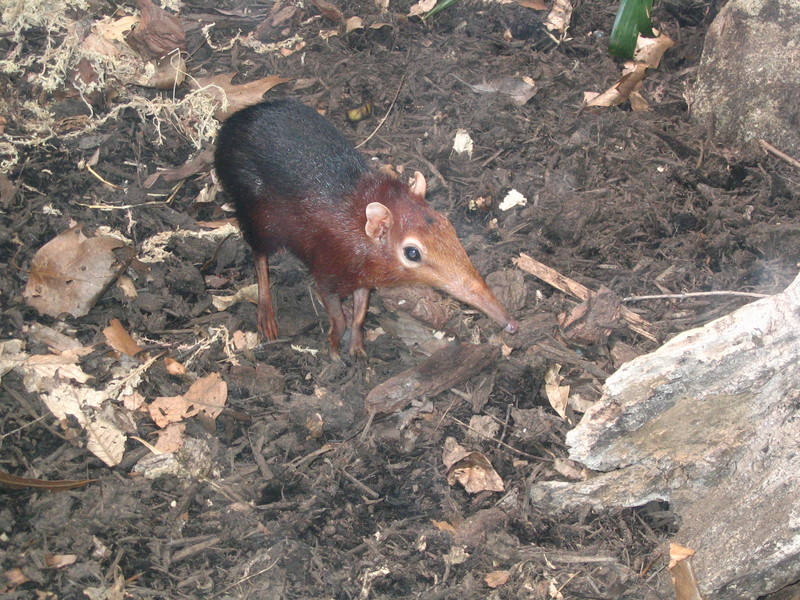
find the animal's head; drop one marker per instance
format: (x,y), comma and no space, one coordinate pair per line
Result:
(423,248)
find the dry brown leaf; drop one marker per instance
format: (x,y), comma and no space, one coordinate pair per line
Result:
(236,96)
(58,561)
(443,526)
(133,401)
(476,474)
(197,164)
(171,438)
(120,340)
(631,81)
(170,409)
(497,578)
(209,393)
(71,272)
(534,4)
(328,10)
(174,367)
(683,576)
(166,73)
(559,17)
(353,23)
(422,7)
(158,33)
(557,394)
(650,51)
(15,577)
(519,89)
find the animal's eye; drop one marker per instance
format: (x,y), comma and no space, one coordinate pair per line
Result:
(412,253)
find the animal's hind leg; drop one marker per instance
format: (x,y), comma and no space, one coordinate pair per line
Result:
(267,324)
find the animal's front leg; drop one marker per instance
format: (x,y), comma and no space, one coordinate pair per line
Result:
(333,306)
(360,306)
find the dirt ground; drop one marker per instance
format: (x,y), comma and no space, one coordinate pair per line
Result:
(639,202)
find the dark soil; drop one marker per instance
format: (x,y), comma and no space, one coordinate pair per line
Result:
(639,202)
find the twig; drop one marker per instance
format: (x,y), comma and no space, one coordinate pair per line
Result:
(693,295)
(773,150)
(570,286)
(389,110)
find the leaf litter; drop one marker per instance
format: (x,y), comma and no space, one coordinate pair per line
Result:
(272,456)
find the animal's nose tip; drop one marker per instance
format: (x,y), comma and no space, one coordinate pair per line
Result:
(512,327)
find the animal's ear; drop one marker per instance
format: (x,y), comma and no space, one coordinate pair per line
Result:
(379,221)
(418,185)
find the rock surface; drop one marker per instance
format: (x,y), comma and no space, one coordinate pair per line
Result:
(709,422)
(747,84)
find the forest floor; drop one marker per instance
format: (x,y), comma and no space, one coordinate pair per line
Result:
(278,494)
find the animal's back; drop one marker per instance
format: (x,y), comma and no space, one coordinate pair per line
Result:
(283,150)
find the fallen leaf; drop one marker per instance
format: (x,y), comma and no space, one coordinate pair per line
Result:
(199,163)
(120,340)
(171,438)
(497,578)
(443,526)
(353,23)
(235,97)
(519,89)
(476,474)
(209,393)
(158,33)
(683,576)
(559,17)
(71,272)
(59,561)
(422,7)
(171,409)
(328,10)
(15,577)
(174,367)
(557,395)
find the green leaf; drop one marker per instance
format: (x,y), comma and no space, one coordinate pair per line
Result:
(633,18)
(440,6)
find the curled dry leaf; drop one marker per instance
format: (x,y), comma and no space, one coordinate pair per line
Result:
(647,55)
(497,578)
(235,97)
(353,23)
(15,577)
(120,340)
(422,7)
(197,164)
(476,474)
(471,469)
(328,10)
(159,33)
(519,89)
(683,576)
(71,272)
(557,394)
(174,367)
(171,438)
(207,394)
(59,561)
